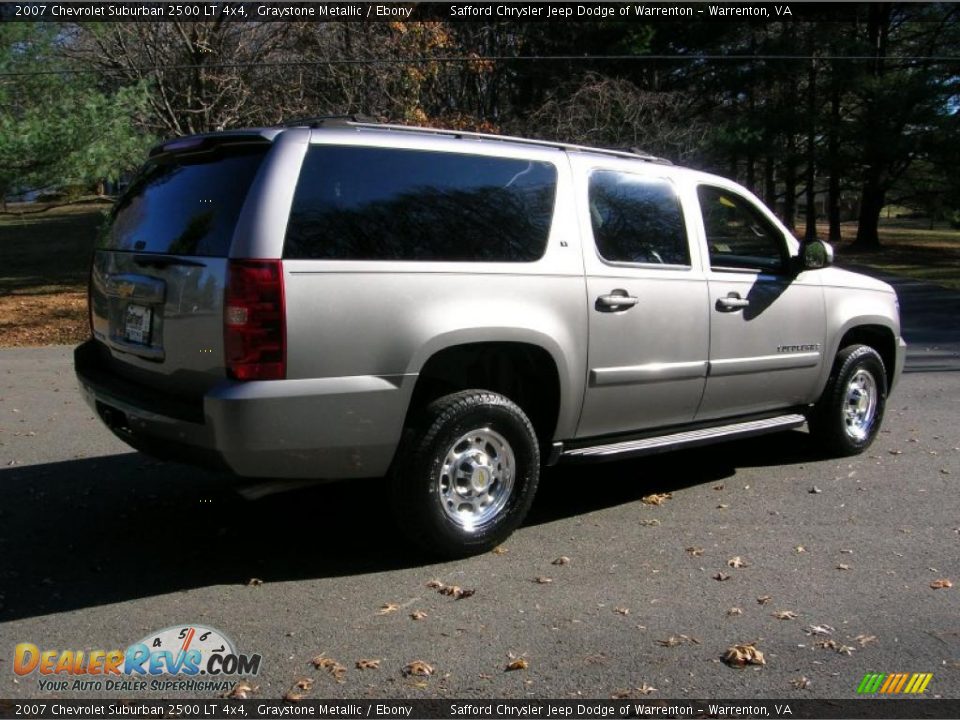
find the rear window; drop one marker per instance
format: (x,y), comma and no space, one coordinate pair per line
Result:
(359,203)
(184,204)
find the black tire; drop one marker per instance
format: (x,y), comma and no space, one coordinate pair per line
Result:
(839,422)
(439,502)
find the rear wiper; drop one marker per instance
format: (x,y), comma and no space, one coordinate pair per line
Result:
(165,261)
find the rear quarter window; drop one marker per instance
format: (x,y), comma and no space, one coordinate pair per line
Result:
(184,204)
(361,203)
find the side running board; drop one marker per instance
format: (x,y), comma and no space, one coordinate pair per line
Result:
(689,438)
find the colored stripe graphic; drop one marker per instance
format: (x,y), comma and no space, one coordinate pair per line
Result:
(894,683)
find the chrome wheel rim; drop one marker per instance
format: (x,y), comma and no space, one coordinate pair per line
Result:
(476,478)
(860,405)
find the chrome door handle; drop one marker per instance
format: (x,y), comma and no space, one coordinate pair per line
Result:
(731,303)
(617,300)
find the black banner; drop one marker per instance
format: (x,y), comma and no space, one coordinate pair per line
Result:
(477,709)
(425,11)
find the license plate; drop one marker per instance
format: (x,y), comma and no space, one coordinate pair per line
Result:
(136,327)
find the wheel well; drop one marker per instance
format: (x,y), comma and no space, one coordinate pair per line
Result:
(878,337)
(526,374)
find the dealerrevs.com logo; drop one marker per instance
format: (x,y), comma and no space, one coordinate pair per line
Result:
(182,657)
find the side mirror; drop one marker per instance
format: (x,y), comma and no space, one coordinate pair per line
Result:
(816,254)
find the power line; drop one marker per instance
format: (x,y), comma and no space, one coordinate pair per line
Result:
(488,58)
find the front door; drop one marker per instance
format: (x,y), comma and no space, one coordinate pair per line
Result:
(767,322)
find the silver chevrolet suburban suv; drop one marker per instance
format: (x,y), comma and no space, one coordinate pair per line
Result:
(337,299)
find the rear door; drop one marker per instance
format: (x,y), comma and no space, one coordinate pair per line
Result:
(767,321)
(647,301)
(161,261)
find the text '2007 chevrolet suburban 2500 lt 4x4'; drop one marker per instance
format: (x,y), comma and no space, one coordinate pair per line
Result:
(453,310)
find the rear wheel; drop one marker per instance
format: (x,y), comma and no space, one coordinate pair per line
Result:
(466,474)
(847,417)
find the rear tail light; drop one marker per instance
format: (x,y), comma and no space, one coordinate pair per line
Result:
(254,332)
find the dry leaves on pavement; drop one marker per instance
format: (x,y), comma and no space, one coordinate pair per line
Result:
(562,560)
(743,655)
(656,498)
(336,670)
(941,584)
(418,615)
(388,608)
(785,615)
(519,663)
(737,562)
(364,664)
(418,668)
(241,691)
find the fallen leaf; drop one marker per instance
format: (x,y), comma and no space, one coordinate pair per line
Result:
(293,696)
(518,664)
(843,566)
(322,662)
(865,639)
(562,560)
(254,582)
(735,611)
(941,584)
(542,580)
(722,506)
(670,642)
(456,592)
(895,452)
(303,684)
(388,608)
(718,487)
(737,562)
(832,644)
(785,615)
(241,691)
(695,551)
(500,550)
(646,689)
(764,599)
(368,664)
(622,610)
(656,498)
(799,549)
(721,577)
(435,585)
(652,522)
(819,630)
(800,683)
(418,615)
(417,667)
(743,655)
(814,490)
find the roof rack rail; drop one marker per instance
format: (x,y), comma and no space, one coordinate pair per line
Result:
(354,121)
(329,120)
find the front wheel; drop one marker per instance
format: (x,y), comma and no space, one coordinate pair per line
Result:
(847,417)
(466,474)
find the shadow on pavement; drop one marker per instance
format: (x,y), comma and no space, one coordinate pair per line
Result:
(95,531)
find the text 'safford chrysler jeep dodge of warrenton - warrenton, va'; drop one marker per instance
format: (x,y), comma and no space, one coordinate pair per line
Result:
(451,311)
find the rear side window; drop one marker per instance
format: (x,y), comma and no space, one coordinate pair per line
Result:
(184,204)
(637,219)
(361,203)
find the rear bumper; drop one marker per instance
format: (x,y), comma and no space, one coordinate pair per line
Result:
(330,428)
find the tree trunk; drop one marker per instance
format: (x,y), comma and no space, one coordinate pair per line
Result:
(833,161)
(871,204)
(790,185)
(810,233)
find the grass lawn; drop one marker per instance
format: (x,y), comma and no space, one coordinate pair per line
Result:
(44,259)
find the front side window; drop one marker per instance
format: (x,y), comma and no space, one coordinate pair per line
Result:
(739,236)
(365,203)
(637,219)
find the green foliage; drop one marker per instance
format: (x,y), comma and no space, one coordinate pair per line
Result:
(58,128)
